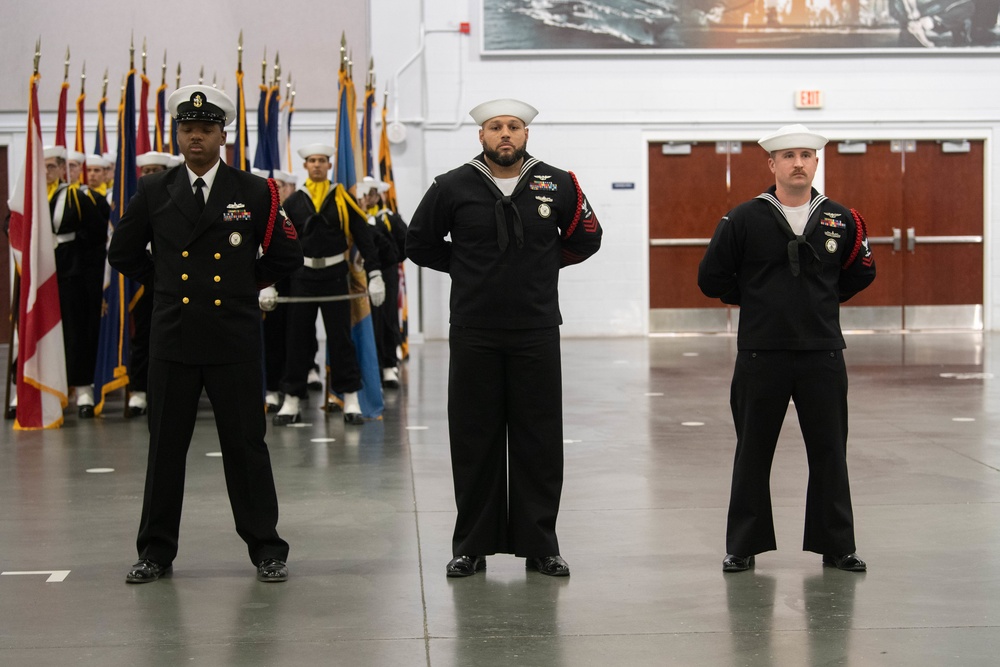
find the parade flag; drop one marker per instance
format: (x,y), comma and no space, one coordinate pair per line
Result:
(79,142)
(120,293)
(285,134)
(142,142)
(174,148)
(61,116)
(385,165)
(241,147)
(344,171)
(159,132)
(363,336)
(101,138)
(368,161)
(352,118)
(41,368)
(273,129)
(262,153)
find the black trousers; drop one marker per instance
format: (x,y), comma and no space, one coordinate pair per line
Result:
(80,298)
(763,383)
(234,391)
(345,374)
(275,346)
(505,424)
(385,319)
(142,321)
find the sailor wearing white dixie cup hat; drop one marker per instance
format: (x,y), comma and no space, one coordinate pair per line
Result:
(218,236)
(788,258)
(154,161)
(792,136)
(514,222)
(80,223)
(329,221)
(390,238)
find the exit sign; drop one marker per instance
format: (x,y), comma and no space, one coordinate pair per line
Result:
(808,99)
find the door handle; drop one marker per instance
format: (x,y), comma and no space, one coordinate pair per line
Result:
(911,238)
(897,239)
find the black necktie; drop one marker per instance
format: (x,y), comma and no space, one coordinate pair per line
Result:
(199,193)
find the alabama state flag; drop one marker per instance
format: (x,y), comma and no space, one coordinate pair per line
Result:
(41,369)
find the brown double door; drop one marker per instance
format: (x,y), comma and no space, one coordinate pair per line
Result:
(923,205)
(691,186)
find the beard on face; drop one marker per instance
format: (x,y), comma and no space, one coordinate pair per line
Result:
(505,160)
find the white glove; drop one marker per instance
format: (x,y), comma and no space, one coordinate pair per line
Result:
(268,299)
(376,288)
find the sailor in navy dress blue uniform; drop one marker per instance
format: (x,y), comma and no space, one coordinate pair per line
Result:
(205,274)
(789,258)
(514,222)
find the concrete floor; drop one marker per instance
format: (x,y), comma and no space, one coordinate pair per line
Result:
(368,512)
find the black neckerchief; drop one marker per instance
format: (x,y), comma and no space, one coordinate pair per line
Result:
(479,163)
(798,241)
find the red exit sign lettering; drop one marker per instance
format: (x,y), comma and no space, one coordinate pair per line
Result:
(808,99)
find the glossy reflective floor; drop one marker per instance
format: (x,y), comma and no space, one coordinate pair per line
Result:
(369,510)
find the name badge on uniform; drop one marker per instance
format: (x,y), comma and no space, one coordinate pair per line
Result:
(236,212)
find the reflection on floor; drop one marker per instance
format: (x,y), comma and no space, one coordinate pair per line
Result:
(368,512)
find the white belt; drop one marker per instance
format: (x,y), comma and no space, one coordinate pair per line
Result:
(65,238)
(322,262)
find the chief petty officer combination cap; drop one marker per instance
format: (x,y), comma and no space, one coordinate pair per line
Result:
(504,107)
(201,103)
(792,136)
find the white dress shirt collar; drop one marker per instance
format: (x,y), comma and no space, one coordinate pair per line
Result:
(208,177)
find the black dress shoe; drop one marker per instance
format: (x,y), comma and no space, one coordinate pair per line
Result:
(285,420)
(86,411)
(134,411)
(145,571)
(553,566)
(272,569)
(353,418)
(733,563)
(849,562)
(465,566)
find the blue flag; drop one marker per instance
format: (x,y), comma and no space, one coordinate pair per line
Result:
(345,172)
(120,293)
(262,155)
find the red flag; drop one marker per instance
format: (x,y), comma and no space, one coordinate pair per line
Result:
(41,369)
(61,116)
(61,124)
(142,143)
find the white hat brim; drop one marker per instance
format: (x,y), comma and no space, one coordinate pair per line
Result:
(504,107)
(792,136)
(316,149)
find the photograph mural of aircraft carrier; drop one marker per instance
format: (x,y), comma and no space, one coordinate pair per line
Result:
(513,26)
